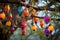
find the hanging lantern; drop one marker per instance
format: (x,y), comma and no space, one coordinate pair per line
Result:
(33,12)
(41,23)
(10,16)
(23,32)
(7,8)
(46,32)
(2,15)
(33,27)
(25,12)
(36,19)
(46,19)
(8,23)
(20,9)
(51,28)
(12,29)
(24,25)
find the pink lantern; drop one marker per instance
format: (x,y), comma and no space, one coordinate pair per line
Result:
(12,29)
(46,19)
(23,24)
(23,32)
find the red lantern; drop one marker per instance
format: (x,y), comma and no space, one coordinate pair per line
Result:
(25,12)
(2,15)
(42,23)
(6,8)
(24,25)
(10,16)
(23,32)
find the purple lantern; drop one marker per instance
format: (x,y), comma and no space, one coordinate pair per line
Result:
(46,19)
(46,32)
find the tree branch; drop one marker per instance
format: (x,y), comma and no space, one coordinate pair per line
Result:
(28,5)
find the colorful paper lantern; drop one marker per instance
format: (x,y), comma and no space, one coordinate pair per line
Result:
(20,9)
(23,32)
(36,19)
(25,12)
(41,23)
(46,32)
(51,28)
(12,29)
(10,16)
(33,12)
(7,8)
(24,25)
(33,27)
(2,15)
(46,19)
(8,23)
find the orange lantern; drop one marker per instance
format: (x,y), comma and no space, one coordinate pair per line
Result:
(41,23)
(33,27)
(25,12)
(8,23)
(36,19)
(51,28)
(2,15)
(7,8)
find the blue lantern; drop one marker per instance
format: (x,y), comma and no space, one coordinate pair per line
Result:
(20,9)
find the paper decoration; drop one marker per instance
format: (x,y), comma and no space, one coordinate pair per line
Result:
(2,15)
(8,23)
(46,19)
(33,27)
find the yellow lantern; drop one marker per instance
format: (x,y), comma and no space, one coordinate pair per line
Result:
(7,8)
(2,15)
(33,27)
(8,23)
(51,28)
